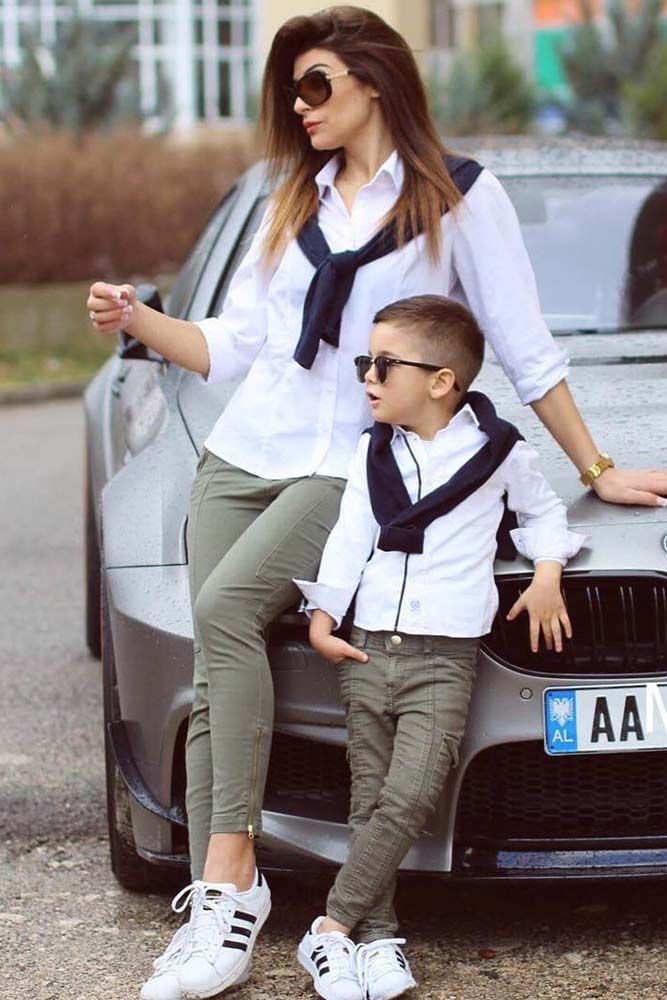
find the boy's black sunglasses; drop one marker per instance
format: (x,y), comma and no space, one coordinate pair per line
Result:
(363,363)
(313,87)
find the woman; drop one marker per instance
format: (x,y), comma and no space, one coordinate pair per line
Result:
(268,485)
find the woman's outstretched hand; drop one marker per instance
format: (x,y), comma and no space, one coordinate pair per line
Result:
(647,487)
(111,307)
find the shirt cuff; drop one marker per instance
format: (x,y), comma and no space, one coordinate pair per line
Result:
(334,600)
(537,545)
(534,386)
(210,328)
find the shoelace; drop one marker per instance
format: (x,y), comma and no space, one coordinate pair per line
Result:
(205,908)
(340,952)
(173,952)
(376,958)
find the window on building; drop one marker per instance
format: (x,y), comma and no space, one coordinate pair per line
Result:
(443,24)
(200,51)
(489,21)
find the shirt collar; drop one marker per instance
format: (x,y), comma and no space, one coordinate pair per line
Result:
(392,168)
(464,415)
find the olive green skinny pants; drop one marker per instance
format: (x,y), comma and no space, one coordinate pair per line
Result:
(247,537)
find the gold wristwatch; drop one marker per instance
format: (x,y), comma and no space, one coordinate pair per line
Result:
(602,462)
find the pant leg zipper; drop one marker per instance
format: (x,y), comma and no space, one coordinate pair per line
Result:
(253,783)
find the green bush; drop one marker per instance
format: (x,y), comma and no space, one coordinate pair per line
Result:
(113,206)
(487,91)
(645,101)
(600,59)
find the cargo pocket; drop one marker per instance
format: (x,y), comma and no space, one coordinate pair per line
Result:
(447,757)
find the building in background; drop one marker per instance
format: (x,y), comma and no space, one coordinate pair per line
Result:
(195,58)
(203,59)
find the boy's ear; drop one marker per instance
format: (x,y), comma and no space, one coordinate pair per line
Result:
(443,383)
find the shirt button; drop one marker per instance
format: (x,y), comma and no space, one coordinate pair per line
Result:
(415,605)
(396,640)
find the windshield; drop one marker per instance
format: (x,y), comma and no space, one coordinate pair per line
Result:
(599,249)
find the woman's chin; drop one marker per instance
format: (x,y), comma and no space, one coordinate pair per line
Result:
(320,142)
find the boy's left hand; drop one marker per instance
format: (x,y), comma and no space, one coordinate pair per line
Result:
(545,606)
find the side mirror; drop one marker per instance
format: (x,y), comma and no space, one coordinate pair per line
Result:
(130,347)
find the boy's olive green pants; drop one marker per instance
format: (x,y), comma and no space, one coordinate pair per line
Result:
(247,537)
(406,712)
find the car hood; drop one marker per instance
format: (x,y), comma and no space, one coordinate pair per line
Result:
(619,381)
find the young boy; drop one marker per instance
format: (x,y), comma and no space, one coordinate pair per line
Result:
(416,540)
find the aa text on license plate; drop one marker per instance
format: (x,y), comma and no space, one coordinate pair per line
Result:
(610,718)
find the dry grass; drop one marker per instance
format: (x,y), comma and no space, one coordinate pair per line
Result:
(113,206)
(46,335)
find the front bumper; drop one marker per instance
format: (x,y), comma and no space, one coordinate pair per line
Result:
(304,822)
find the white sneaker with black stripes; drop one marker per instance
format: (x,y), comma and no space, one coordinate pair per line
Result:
(384,971)
(331,960)
(163,983)
(223,929)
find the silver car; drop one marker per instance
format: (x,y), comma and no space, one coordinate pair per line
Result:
(563,769)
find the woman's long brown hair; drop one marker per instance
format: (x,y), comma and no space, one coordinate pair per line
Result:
(379,56)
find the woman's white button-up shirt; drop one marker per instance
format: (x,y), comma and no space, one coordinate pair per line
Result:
(449,588)
(284,420)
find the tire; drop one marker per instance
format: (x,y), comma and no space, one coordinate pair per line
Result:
(91,571)
(131,871)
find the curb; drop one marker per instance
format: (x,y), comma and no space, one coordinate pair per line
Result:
(42,392)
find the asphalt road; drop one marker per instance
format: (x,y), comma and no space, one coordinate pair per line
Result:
(67,930)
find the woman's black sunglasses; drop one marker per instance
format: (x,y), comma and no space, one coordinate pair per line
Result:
(313,87)
(363,363)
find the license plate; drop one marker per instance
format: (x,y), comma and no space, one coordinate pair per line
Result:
(609,718)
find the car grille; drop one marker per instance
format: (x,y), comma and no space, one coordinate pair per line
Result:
(619,627)
(517,792)
(307,779)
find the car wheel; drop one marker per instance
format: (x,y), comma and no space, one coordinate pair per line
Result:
(132,871)
(92,571)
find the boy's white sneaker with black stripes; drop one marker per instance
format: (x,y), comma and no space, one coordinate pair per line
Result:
(384,971)
(223,928)
(331,960)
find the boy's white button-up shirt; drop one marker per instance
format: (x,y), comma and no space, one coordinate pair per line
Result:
(283,420)
(449,588)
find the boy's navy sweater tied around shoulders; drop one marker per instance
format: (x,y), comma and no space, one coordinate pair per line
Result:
(334,276)
(402,522)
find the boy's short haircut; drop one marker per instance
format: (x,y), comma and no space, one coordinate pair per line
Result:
(447,332)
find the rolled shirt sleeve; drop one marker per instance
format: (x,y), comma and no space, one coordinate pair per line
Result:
(493,267)
(348,547)
(543,531)
(235,337)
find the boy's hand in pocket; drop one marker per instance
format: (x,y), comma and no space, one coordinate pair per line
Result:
(330,646)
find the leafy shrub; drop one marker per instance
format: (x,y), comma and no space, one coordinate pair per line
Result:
(646,100)
(600,59)
(111,206)
(487,91)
